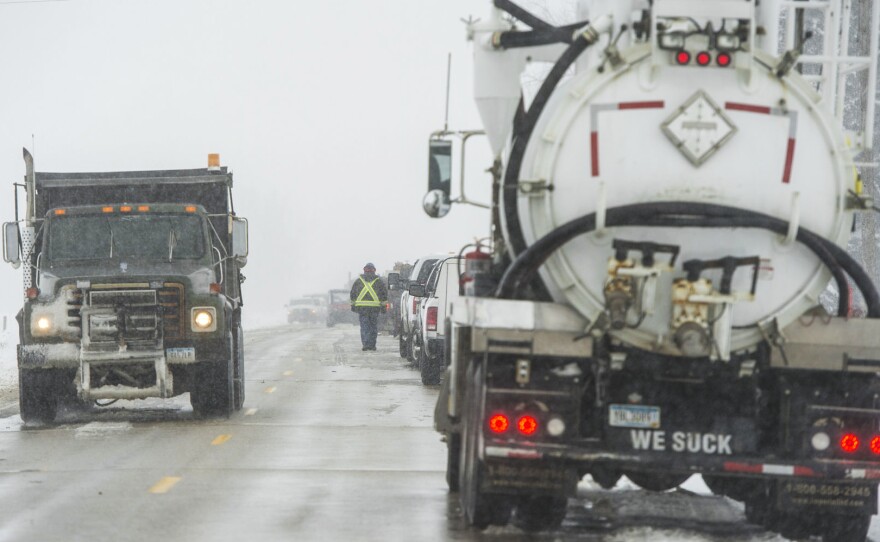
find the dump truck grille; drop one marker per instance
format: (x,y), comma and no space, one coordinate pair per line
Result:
(171,301)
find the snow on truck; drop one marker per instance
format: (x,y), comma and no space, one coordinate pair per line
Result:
(669,207)
(132,284)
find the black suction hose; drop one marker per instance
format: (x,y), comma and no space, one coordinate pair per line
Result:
(523,15)
(521,140)
(685,214)
(536,38)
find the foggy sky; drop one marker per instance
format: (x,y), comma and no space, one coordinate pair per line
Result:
(322,109)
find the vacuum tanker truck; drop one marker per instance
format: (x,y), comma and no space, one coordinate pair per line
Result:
(672,207)
(132,288)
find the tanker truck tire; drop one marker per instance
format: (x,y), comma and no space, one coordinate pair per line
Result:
(843,528)
(480,509)
(540,513)
(653,481)
(453,457)
(213,395)
(38,395)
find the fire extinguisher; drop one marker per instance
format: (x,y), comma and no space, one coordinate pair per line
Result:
(476,264)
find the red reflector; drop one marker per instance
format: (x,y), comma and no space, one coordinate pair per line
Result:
(527,425)
(704,58)
(682,57)
(415,305)
(875,445)
(32,293)
(723,59)
(849,443)
(431,319)
(730,466)
(215,288)
(499,423)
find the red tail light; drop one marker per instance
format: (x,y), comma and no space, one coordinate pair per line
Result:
(431,319)
(723,59)
(849,443)
(415,305)
(875,445)
(527,425)
(682,57)
(499,423)
(704,58)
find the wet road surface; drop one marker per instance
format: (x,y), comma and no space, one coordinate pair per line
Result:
(332,444)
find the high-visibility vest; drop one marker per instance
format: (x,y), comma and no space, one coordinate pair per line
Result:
(367,290)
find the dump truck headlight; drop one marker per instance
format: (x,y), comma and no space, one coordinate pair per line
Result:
(43,325)
(204,319)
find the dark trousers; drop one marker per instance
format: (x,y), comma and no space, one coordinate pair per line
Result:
(369,327)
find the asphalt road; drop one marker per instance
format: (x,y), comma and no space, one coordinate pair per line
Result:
(333,444)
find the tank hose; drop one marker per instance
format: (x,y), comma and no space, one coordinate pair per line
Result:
(687,214)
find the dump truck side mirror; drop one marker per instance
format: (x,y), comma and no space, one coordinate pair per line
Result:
(239,237)
(437,201)
(10,244)
(393,281)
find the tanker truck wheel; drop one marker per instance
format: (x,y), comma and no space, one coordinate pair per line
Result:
(213,394)
(480,509)
(842,528)
(37,395)
(453,457)
(540,513)
(653,481)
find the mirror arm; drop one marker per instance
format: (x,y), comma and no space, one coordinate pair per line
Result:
(462,198)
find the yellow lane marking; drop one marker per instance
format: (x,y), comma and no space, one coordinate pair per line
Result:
(270,389)
(250,412)
(220,440)
(288,373)
(298,359)
(165,484)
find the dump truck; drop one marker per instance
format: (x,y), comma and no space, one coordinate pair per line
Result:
(131,288)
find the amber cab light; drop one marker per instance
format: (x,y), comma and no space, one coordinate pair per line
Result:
(849,443)
(215,288)
(499,423)
(143,208)
(125,208)
(59,212)
(527,425)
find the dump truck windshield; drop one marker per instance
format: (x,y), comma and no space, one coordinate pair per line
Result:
(135,237)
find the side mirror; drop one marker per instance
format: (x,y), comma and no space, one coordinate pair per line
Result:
(239,237)
(10,244)
(417,290)
(393,281)
(437,200)
(436,204)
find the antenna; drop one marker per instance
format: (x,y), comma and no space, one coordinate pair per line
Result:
(33,144)
(448,77)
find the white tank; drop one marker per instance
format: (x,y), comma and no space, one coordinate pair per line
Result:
(654,131)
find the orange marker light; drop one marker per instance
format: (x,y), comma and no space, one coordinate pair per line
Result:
(143,208)
(190,208)
(125,208)
(107,209)
(60,212)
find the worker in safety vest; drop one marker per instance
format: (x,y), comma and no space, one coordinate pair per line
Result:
(368,297)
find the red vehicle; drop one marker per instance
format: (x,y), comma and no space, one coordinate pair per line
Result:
(339,308)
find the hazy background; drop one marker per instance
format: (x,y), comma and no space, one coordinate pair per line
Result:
(322,109)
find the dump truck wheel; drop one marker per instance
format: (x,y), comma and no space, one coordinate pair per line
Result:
(540,513)
(38,395)
(214,394)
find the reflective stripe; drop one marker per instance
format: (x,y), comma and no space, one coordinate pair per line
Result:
(367,289)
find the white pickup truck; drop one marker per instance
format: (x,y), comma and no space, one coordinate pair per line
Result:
(409,305)
(441,289)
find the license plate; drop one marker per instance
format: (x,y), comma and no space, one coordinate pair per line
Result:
(180,354)
(639,416)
